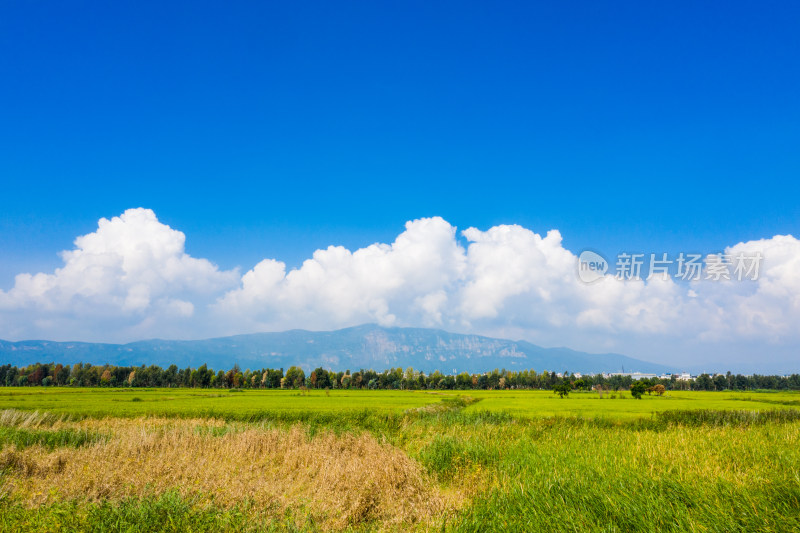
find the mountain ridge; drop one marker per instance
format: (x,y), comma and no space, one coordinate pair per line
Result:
(363,346)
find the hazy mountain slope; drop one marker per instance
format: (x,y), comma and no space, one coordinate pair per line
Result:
(367,346)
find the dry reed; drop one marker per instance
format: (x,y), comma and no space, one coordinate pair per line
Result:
(335,481)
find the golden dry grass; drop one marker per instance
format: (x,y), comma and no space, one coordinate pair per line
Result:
(333,480)
(28,419)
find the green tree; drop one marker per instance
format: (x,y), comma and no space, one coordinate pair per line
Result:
(637,389)
(563,388)
(703,382)
(295,377)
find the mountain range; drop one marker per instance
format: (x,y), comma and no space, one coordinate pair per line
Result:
(368,346)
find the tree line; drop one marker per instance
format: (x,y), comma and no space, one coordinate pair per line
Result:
(87,375)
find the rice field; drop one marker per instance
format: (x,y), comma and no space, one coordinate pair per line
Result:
(621,406)
(208,403)
(196,460)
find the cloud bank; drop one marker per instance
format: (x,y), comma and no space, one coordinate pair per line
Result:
(132,279)
(129,278)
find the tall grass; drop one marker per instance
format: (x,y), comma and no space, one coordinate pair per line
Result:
(335,481)
(22,429)
(168,512)
(67,437)
(676,470)
(28,419)
(564,474)
(710,417)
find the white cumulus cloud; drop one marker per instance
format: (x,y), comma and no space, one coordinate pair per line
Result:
(132,278)
(133,269)
(383,283)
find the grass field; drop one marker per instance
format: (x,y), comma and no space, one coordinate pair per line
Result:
(199,460)
(621,405)
(247,405)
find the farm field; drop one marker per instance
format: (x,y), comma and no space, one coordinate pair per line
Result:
(620,405)
(211,403)
(210,460)
(276,404)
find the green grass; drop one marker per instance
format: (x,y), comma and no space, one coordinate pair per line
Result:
(249,405)
(22,438)
(688,461)
(554,475)
(316,405)
(167,513)
(620,405)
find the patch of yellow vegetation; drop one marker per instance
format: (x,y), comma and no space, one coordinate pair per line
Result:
(335,480)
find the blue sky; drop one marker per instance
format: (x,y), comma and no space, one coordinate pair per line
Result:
(276,128)
(270,130)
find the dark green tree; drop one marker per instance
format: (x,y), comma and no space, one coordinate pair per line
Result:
(637,389)
(295,377)
(563,388)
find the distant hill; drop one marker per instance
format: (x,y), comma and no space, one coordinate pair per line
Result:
(367,346)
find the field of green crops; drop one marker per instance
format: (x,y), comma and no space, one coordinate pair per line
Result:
(200,403)
(251,405)
(489,460)
(620,405)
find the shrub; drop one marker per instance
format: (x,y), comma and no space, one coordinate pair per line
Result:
(637,390)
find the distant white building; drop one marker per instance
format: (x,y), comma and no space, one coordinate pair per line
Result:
(633,375)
